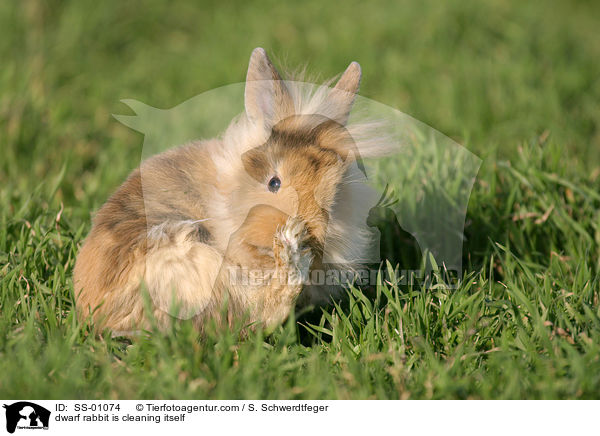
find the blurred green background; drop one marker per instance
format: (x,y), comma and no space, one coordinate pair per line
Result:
(514,82)
(488,74)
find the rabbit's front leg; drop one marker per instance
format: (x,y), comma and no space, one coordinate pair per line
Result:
(293,258)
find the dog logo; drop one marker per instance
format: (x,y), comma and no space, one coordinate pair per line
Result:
(26,415)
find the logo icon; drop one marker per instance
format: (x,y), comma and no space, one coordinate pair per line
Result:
(26,415)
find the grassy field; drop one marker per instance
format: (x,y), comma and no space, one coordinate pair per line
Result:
(514,82)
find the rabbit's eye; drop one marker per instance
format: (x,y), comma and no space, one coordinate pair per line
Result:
(274,184)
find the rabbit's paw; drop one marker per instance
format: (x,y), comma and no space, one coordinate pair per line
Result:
(292,254)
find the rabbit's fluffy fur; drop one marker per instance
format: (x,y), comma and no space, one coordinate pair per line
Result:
(181,221)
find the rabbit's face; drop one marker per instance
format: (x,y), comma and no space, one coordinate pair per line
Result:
(297,172)
(298,169)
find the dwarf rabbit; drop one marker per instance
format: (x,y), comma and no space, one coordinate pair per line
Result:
(269,195)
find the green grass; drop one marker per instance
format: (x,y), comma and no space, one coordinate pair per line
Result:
(517,84)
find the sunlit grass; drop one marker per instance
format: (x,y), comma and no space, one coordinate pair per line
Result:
(517,85)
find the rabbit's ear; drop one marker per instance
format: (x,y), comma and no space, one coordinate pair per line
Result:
(267,99)
(341,97)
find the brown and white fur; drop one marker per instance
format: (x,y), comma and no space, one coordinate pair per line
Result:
(185,217)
